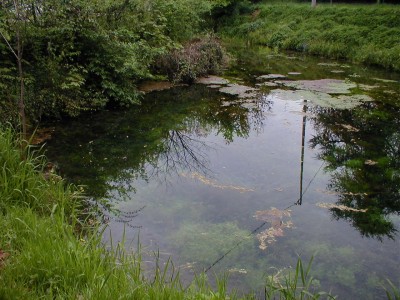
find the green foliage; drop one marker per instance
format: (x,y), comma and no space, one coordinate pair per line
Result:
(299,285)
(22,185)
(336,31)
(393,292)
(84,55)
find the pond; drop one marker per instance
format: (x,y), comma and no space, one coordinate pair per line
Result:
(286,157)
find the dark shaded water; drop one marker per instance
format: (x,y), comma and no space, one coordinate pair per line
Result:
(204,174)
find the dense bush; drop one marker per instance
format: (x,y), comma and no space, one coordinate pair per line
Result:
(80,55)
(196,58)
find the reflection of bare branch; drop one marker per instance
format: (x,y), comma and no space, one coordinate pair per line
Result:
(257,114)
(180,152)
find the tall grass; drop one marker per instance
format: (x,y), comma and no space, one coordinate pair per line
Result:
(23,181)
(294,286)
(365,34)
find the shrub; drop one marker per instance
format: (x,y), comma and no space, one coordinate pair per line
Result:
(197,58)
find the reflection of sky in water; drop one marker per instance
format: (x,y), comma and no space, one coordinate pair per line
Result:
(267,161)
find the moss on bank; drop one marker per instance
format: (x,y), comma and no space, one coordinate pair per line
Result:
(364,34)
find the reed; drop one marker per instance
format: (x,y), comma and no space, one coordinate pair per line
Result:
(297,285)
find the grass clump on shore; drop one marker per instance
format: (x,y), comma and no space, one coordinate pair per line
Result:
(364,34)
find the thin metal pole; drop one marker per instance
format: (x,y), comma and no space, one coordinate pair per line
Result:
(303,139)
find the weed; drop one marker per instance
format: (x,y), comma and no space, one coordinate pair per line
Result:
(296,287)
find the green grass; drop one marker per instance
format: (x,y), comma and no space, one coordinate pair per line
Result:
(296,285)
(360,33)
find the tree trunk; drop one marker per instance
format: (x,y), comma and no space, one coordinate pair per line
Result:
(21,100)
(313,3)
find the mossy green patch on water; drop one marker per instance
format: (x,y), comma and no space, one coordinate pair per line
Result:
(328,86)
(212,80)
(320,99)
(241,91)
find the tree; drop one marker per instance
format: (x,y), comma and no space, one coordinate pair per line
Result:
(16,22)
(73,56)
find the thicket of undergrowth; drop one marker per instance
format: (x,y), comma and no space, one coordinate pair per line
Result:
(196,58)
(82,55)
(365,34)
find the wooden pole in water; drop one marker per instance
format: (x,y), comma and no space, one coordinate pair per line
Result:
(303,140)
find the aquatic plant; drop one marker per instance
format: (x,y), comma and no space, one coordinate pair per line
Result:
(327,86)
(320,99)
(215,184)
(204,243)
(274,217)
(43,255)
(299,285)
(340,207)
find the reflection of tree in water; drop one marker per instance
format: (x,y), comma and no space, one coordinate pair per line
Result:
(362,148)
(179,151)
(165,135)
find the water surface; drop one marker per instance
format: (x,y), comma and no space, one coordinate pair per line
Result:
(246,186)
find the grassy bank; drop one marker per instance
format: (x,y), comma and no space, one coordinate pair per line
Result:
(364,34)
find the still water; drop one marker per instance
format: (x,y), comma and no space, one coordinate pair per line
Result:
(288,157)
